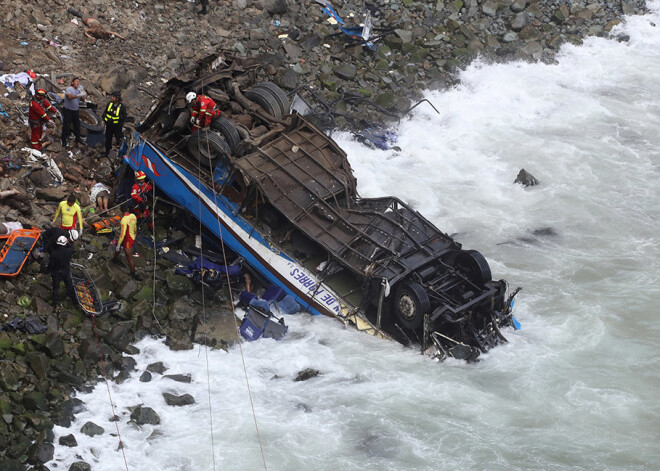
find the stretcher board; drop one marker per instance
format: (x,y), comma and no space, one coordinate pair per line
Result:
(88,295)
(17,250)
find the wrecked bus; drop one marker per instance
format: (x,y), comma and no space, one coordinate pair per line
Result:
(281,194)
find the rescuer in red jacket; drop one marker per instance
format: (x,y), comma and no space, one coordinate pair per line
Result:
(204,110)
(38,115)
(140,196)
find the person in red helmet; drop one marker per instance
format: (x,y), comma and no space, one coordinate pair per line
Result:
(38,116)
(140,195)
(204,111)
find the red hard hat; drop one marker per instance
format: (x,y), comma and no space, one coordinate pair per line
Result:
(40,91)
(140,175)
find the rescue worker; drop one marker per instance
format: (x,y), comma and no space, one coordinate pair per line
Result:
(38,116)
(114,117)
(50,237)
(140,195)
(204,111)
(126,240)
(60,264)
(71,215)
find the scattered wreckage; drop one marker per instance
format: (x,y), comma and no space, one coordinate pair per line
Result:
(281,194)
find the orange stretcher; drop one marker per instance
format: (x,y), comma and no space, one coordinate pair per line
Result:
(105,226)
(86,292)
(16,250)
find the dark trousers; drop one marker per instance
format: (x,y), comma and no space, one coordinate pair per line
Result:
(70,118)
(65,276)
(110,131)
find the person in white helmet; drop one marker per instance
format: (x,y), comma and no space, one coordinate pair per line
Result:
(50,237)
(204,111)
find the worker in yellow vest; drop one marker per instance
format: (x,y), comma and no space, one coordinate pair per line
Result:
(71,215)
(114,117)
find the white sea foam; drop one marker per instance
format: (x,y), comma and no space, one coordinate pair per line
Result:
(575,389)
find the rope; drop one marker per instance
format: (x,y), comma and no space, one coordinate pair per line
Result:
(206,348)
(112,406)
(231,299)
(153,240)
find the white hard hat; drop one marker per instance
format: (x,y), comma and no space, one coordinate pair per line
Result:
(73,234)
(191,96)
(61,240)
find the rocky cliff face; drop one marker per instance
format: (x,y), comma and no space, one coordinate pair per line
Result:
(421,43)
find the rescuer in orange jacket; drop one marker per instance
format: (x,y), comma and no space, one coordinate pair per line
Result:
(38,115)
(204,110)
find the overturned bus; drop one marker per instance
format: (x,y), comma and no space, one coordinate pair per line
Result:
(281,194)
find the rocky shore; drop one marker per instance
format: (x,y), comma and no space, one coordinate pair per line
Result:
(421,45)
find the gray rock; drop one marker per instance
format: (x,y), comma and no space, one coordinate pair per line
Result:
(276,7)
(51,194)
(292,50)
(525,178)
(180,378)
(519,21)
(157,367)
(510,37)
(35,400)
(91,429)
(518,6)
(259,34)
(346,71)
(311,42)
(145,377)
(287,79)
(80,466)
(120,336)
(39,363)
(306,374)
(178,285)
(11,465)
(489,7)
(183,400)
(129,289)
(405,35)
(41,452)
(145,415)
(68,440)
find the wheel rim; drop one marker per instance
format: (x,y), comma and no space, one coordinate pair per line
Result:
(407,306)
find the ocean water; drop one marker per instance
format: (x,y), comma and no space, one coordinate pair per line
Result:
(576,389)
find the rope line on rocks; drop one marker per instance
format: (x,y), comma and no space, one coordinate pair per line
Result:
(231,300)
(233,310)
(153,241)
(107,384)
(206,348)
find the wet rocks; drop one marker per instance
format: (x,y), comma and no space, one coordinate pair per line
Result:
(142,415)
(183,400)
(306,374)
(68,440)
(91,429)
(525,178)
